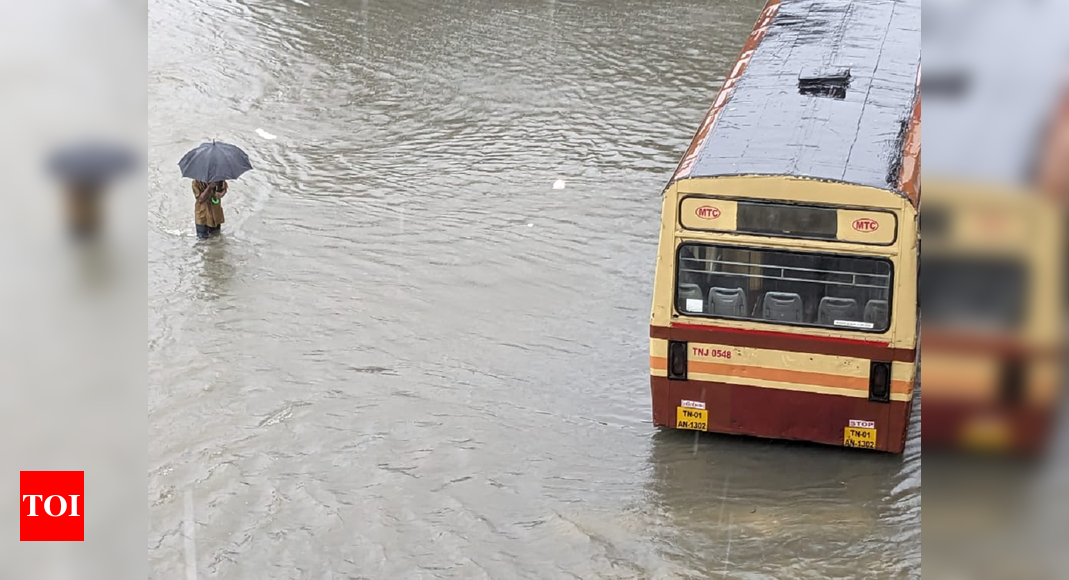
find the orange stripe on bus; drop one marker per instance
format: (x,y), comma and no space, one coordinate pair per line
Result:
(781,375)
(910,172)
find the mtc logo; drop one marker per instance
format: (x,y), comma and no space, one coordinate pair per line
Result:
(51,506)
(707,212)
(866,225)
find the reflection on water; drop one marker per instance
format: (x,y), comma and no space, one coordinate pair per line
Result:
(409,354)
(746,504)
(217,269)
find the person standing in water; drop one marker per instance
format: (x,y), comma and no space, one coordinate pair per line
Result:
(208,211)
(210,165)
(84,209)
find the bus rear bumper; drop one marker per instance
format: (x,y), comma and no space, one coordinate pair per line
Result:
(784,414)
(987,428)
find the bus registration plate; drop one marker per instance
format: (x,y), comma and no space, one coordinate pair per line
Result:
(987,434)
(860,434)
(696,419)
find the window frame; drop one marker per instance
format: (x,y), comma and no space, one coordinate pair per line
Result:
(781,236)
(681,244)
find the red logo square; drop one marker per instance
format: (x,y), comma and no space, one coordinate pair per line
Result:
(51,506)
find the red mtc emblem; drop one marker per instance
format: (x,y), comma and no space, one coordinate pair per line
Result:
(866,225)
(51,506)
(707,212)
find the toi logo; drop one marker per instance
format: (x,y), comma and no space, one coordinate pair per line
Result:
(51,506)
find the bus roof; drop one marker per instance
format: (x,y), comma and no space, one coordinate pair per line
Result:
(822,89)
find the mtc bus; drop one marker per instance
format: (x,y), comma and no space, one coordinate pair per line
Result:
(785,294)
(993,281)
(993,316)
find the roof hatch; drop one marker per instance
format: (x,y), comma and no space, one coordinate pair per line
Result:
(831,83)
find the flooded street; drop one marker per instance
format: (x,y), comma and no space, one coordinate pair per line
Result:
(409,355)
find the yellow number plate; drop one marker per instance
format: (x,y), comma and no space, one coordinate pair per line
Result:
(696,419)
(860,437)
(987,435)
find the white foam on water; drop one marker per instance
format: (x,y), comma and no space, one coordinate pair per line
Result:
(559,184)
(265,134)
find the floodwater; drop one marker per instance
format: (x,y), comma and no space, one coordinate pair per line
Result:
(409,356)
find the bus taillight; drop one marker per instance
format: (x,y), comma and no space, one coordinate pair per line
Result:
(1013,382)
(677,360)
(880,382)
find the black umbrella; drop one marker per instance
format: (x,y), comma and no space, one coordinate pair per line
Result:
(215,161)
(91,162)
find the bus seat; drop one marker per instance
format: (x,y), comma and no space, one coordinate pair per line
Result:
(782,306)
(728,302)
(876,313)
(832,309)
(687,292)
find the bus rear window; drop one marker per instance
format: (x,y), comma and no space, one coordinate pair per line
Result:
(792,288)
(974,293)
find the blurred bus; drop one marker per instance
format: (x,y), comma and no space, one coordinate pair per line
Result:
(992,289)
(784,301)
(992,316)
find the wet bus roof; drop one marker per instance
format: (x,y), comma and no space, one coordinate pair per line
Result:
(823,89)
